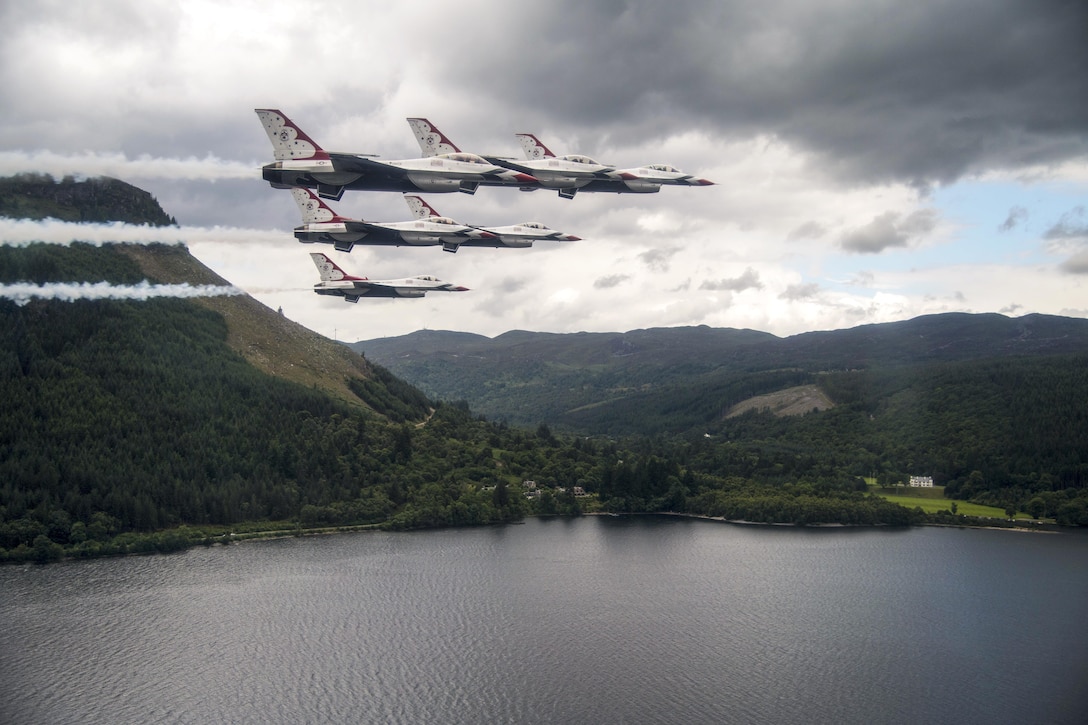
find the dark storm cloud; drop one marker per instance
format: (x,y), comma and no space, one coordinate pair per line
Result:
(889,230)
(748,280)
(921,91)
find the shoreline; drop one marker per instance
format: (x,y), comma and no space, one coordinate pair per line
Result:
(229,538)
(1037,528)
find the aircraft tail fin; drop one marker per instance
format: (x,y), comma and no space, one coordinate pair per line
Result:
(329,270)
(288,140)
(313,209)
(419,208)
(431,141)
(533,147)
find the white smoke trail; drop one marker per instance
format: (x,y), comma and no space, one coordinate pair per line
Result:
(90,163)
(23,232)
(23,292)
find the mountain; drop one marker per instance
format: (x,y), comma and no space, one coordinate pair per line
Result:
(125,417)
(677,379)
(995,409)
(102,199)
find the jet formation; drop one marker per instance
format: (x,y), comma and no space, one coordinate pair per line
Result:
(444,168)
(429,228)
(314,174)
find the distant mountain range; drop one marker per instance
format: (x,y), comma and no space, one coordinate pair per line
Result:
(594,382)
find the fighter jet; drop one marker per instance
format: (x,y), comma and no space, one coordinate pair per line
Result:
(322,224)
(639,180)
(301,162)
(515,235)
(338,283)
(564,173)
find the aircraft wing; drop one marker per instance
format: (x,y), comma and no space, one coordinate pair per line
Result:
(376,172)
(379,289)
(509,163)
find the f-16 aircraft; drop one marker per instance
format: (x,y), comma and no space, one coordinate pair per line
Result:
(322,224)
(567,174)
(301,162)
(564,173)
(337,282)
(638,180)
(515,235)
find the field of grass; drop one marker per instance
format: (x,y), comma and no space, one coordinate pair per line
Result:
(933,505)
(932,500)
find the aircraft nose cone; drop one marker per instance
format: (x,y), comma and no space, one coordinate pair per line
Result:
(485,235)
(704,182)
(571,238)
(526,178)
(460,289)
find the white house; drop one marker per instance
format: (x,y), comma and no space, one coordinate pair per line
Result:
(921,481)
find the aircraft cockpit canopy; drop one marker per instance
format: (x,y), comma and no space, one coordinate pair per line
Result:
(580,159)
(444,220)
(465,158)
(533,225)
(664,167)
(426,278)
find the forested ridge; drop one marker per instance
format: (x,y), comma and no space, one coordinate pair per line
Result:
(684,378)
(101,199)
(132,426)
(994,409)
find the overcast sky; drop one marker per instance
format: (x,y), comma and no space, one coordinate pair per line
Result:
(874,161)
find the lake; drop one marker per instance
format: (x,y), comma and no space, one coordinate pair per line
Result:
(591,620)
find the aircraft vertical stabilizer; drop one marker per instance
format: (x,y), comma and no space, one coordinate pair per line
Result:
(432,142)
(533,147)
(312,208)
(329,270)
(419,208)
(289,142)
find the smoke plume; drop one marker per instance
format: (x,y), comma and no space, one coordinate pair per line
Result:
(22,232)
(90,163)
(24,292)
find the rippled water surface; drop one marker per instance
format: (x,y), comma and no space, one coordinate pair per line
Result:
(592,620)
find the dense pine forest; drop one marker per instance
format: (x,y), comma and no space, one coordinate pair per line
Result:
(135,426)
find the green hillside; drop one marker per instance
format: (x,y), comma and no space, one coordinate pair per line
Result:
(39,196)
(994,408)
(122,419)
(671,380)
